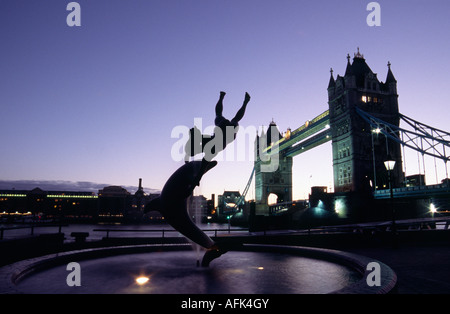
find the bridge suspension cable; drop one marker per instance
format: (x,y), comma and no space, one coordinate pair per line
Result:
(241,199)
(424,139)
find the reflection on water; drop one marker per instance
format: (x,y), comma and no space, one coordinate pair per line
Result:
(176,272)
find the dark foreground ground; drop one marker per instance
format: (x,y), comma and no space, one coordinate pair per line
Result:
(420,269)
(420,259)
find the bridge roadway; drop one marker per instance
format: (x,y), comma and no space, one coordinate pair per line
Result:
(435,190)
(311,134)
(317,131)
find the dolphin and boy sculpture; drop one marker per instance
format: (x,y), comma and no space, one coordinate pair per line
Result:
(172,203)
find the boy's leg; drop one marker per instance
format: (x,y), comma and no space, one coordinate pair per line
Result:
(219,105)
(240,114)
(194,144)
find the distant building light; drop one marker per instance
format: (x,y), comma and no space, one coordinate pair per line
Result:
(13,195)
(71,196)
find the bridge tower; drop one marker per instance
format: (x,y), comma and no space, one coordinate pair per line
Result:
(358,151)
(277,181)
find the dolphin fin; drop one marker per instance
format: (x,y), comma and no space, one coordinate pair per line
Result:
(210,165)
(205,166)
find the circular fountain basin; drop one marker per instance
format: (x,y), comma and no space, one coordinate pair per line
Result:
(254,269)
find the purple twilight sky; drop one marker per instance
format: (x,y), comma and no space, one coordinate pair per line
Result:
(99,102)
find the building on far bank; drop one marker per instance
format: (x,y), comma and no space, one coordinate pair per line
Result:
(113,203)
(227,204)
(49,204)
(415,180)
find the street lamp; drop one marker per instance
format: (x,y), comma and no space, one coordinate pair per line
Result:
(390,164)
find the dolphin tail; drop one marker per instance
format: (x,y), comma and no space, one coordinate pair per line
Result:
(218,249)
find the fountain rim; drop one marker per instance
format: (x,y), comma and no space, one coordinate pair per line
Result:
(10,275)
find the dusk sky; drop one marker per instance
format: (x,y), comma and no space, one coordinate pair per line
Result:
(99,102)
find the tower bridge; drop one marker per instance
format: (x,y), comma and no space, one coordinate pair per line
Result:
(363,125)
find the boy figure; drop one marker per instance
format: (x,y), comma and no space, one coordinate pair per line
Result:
(197,142)
(222,123)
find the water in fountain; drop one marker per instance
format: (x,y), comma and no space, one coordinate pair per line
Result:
(174,272)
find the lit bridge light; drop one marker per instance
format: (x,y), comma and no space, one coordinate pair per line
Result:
(433,208)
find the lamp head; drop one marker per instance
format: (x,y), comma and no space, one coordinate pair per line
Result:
(389,163)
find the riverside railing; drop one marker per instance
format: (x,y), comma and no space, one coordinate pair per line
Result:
(31,227)
(164,231)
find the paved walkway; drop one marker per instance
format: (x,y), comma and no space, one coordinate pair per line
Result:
(420,269)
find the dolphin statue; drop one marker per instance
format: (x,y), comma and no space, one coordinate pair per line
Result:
(172,204)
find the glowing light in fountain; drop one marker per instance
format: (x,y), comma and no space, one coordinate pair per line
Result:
(142,280)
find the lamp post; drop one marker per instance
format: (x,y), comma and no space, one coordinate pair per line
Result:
(390,164)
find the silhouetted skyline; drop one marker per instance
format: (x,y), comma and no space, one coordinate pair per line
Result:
(81,186)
